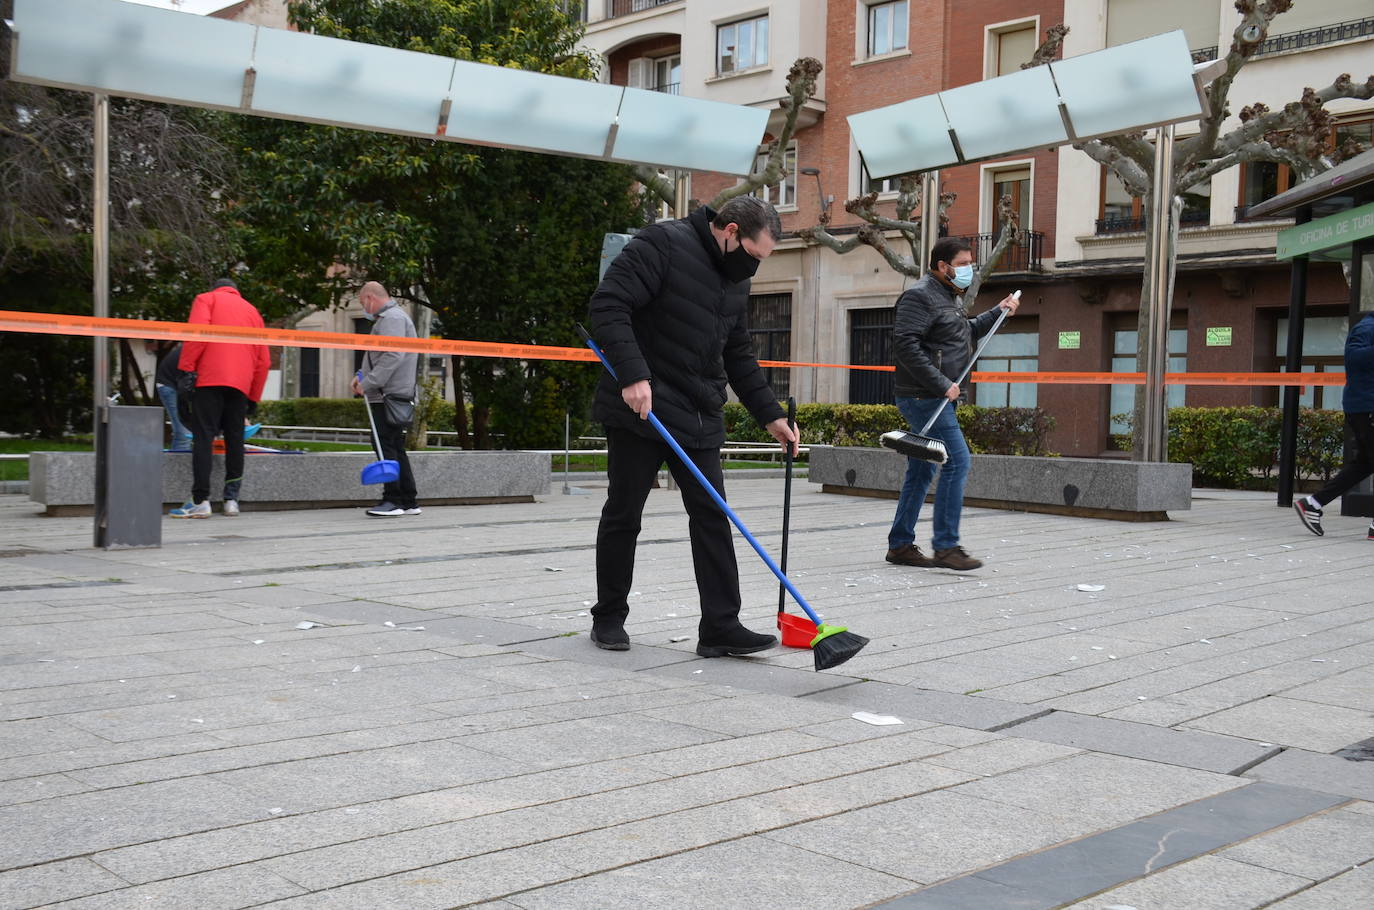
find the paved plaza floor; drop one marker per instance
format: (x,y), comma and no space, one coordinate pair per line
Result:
(1159,716)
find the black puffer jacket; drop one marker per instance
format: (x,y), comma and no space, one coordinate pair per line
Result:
(664,312)
(932,338)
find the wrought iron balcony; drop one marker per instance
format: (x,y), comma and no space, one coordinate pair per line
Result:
(669,88)
(616,8)
(1022,255)
(1316,37)
(1136,225)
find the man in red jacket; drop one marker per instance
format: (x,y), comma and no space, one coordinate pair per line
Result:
(229,381)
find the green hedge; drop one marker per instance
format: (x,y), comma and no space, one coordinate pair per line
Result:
(992,431)
(338,412)
(1239,447)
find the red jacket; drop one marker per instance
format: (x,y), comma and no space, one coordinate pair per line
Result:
(239,366)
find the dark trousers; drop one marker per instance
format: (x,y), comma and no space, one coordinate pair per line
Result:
(1361,426)
(400,491)
(217,410)
(634,462)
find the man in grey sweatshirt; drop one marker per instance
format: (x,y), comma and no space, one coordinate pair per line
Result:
(388,373)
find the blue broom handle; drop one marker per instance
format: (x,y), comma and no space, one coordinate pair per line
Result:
(710,488)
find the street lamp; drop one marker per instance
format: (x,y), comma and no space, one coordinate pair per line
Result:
(820,193)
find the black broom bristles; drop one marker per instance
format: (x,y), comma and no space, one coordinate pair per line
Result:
(834,650)
(925,448)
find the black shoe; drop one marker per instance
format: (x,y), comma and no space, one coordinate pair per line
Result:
(610,638)
(1310,513)
(733,644)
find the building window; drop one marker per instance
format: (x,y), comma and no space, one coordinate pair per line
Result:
(870,344)
(741,45)
(881,187)
(667,74)
(1323,351)
(661,210)
(1120,212)
(1014,183)
(310,373)
(1008,47)
(784,194)
(770,328)
(887,27)
(1123,361)
(1261,180)
(1009,352)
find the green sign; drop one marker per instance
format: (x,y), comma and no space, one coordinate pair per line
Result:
(1068,341)
(1219,336)
(1340,229)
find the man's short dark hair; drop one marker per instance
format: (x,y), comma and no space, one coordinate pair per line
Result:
(224,283)
(946,248)
(752,214)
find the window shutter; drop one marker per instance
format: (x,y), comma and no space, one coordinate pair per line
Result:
(641,73)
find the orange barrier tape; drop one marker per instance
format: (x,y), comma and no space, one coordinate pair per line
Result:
(57,324)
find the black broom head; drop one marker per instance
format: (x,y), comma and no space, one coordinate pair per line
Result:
(835,648)
(926,448)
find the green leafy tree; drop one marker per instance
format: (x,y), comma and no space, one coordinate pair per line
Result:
(167,173)
(501,245)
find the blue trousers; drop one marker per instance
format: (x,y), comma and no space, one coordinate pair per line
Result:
(949,492)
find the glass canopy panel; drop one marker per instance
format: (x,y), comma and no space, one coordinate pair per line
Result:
(674,131)
(1144,83)
(1017,111)
(493,105)
(905,137)
(128,49)
(308,77)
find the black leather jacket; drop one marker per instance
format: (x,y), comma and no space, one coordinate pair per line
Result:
(933,338)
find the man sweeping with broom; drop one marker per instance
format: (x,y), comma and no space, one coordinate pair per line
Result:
(933,343)
(670,316)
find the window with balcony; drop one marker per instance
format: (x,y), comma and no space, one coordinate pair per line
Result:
(1261,180)
(1121,213)
(657,74)
(1009,46)
(784,195)
(741,45)
(881,186)
(887,27)
(1014,183)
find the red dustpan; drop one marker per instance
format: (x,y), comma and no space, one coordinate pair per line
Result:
(795,631)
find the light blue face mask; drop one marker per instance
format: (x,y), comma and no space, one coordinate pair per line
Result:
(963,276)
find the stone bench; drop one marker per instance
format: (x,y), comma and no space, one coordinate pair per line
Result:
(64,482)
(1095,487)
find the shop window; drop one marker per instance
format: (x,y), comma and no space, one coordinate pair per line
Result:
(1124,351)
(1009,352)
(1323,351)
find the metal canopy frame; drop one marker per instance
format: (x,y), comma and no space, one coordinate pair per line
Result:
(1147,83)
(108,46)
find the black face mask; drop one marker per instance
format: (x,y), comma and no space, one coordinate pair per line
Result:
(737,265)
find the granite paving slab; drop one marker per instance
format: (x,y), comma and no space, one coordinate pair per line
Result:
(1205,751)
(1206,883)
(919,704)
(1327,773)
(57,881)
(1319,847)
(224,889)
(1347,890)
(1291,722)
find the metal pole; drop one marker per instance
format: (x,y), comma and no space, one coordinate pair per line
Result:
(100,306)
(100,247)
(1155,416)
(1297,317)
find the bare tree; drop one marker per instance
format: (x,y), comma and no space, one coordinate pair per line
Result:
(1295,136)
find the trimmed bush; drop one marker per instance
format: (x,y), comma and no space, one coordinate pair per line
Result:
(1239,447)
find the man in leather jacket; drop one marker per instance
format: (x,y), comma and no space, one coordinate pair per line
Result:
(932,341)
(670,316)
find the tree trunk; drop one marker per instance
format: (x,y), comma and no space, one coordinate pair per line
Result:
(460,411)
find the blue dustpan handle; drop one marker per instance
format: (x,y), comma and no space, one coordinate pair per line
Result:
(710,488)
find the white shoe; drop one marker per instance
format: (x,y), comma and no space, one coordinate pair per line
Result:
(192,510)
(413,510)
(386,509)
(231,507)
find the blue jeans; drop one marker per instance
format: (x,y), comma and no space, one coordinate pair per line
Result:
(181,437)
(949,493)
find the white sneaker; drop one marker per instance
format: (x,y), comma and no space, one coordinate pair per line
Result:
(192,510)
(231,507)
(413,510)
(386,509)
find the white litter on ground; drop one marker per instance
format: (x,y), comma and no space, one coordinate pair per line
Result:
(1092,589)
(877,720)
(306,624)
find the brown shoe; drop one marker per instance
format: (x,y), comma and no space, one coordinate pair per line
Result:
(955,558)
(909,555)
